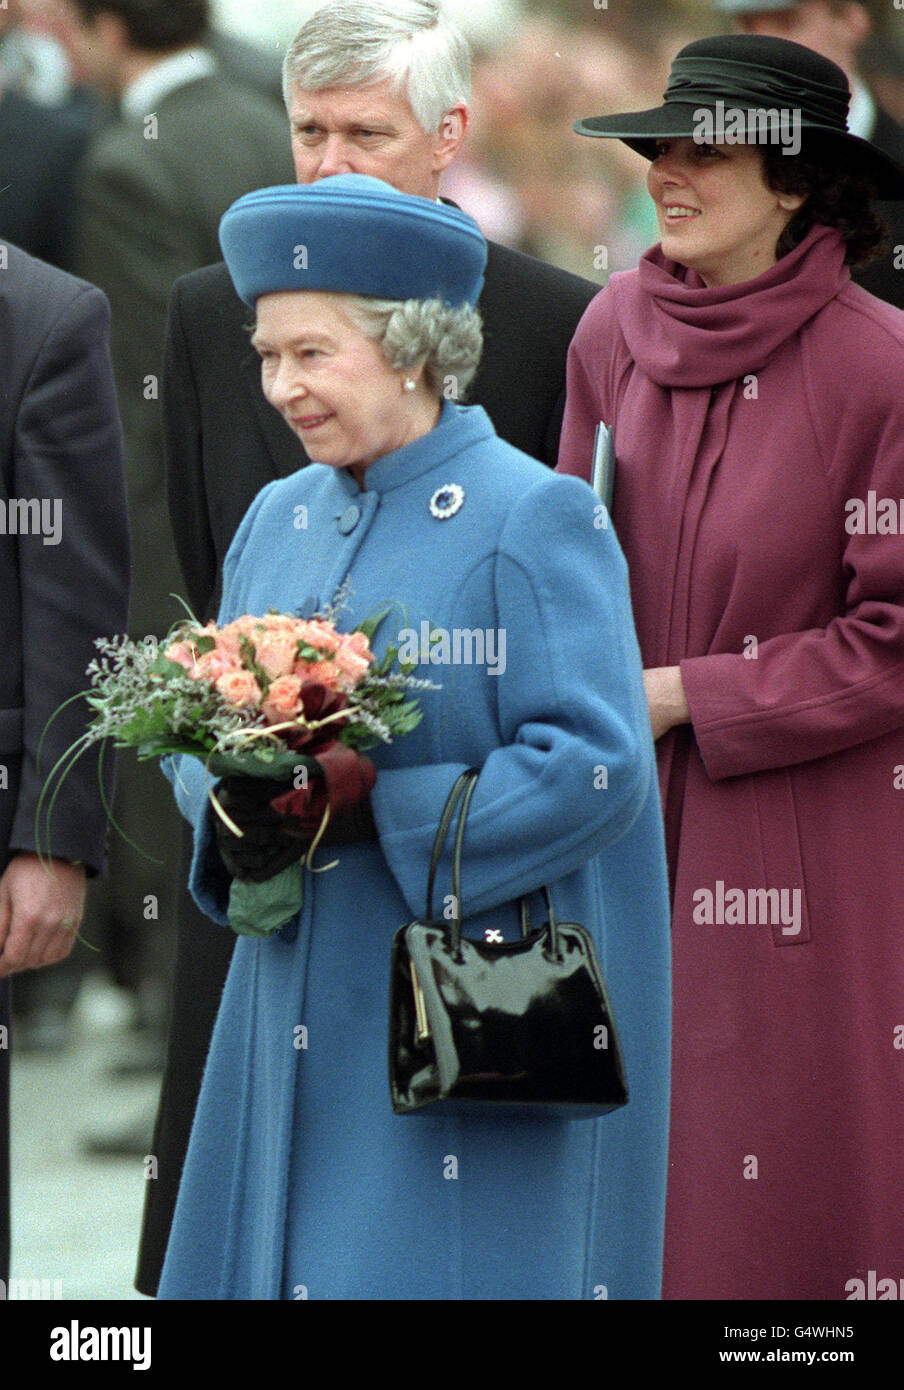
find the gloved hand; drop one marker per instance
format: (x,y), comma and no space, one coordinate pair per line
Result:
(263,848)
(344,786)
(279,821)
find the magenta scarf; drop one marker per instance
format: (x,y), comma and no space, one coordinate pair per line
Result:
(682,334)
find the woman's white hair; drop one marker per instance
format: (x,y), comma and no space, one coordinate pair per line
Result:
(448,341)
(357,43)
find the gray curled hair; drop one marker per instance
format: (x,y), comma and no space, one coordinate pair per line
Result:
(448,341)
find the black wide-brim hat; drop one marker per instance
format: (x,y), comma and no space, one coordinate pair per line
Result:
(750,72)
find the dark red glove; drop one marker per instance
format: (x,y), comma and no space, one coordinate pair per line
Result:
(346,781)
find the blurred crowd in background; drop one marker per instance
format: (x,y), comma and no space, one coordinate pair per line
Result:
(524,175)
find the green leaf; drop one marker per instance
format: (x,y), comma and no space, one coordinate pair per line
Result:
(260,909)
(369,625)
(249,653)
(162,666)
(157,748)
(276,761)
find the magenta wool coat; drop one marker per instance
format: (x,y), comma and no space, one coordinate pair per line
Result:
(759,500)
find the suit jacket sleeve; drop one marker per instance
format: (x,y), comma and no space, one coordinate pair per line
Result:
(68,449)
(185,486)
(530,311)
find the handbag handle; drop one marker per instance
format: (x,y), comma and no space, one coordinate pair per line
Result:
(462,792)
(468,779)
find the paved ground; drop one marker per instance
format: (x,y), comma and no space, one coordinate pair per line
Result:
(76,1218)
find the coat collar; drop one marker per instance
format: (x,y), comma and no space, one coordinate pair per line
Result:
(683,333)
(458,429)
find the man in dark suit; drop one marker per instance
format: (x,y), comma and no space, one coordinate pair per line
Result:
(837,29)
(64,566)
(186,143)
(224,442)
(40,150)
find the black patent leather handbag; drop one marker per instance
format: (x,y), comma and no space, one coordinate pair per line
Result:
(525,1023)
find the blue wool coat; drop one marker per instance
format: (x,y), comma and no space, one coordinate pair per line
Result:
(299,1180)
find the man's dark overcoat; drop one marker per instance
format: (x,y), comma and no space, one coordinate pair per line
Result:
(224,443)
(40,153)
(63,583)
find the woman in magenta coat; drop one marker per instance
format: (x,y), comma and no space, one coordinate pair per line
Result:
(757,401)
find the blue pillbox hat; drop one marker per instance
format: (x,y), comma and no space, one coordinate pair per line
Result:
(353,234)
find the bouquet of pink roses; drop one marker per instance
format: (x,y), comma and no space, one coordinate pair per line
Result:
(274,697)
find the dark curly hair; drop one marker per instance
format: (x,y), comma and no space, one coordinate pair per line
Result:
(154,25)
(839,194)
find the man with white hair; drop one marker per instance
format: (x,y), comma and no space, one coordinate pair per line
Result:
(375,87)
(381,88)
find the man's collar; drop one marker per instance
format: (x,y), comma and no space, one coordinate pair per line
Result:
(147,91)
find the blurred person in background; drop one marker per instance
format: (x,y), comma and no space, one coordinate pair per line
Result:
(371,88)
(882,65)
(245,62)
(755,397)
(838,29)
(63,585)
(520,171)
(53,25)
(186,143)
(35,62)
(40,150)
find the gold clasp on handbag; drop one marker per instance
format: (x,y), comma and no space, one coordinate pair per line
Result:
(421,1025)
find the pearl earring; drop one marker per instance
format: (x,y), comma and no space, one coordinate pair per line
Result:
(409,384)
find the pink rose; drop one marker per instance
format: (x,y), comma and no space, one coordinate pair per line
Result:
(227,645)
(357,642)
(238,688)
(213,665)
(184,654)
(283,700)
(276,653)
(321,636)
(324,672)
(352,668)
(240,627)
(281,622)
(352,659)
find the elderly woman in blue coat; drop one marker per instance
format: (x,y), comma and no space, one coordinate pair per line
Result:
(300,1181)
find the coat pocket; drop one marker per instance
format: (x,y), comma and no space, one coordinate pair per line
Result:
(783,869)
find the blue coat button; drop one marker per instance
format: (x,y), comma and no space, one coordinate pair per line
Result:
(349,519)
